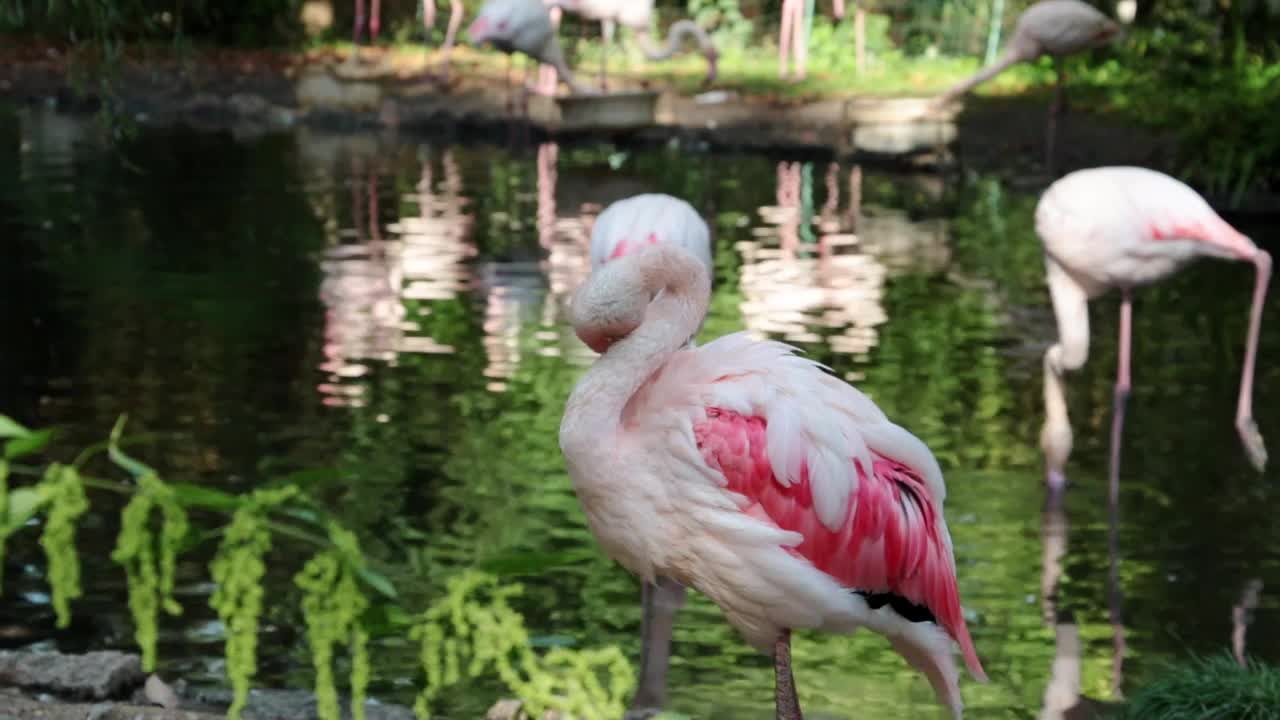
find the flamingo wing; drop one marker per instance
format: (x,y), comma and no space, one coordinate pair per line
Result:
(810,454)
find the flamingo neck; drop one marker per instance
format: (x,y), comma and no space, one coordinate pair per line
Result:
(554,56)
(595,408)
(1245,423)
(675,35)
(1012,56)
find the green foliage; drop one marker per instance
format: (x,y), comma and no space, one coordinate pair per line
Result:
(473,630)
(332,605)
(1209,688)
(238,569)
(67,502)
(150,580)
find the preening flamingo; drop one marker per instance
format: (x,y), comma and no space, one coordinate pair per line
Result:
(1050,27)
(1124,227)
(624,227)
(793,39)
(635,15)
(754,476)
(522,26)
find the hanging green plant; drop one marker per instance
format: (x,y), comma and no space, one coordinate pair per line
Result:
(238,570)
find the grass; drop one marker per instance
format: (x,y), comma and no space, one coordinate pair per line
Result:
(1209,688)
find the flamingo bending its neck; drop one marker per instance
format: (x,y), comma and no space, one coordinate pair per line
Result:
(625,227)
(754,476)
(1125,227)
(1050,27)
(522,26)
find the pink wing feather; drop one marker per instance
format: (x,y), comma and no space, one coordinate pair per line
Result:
(890,540)
(810,454)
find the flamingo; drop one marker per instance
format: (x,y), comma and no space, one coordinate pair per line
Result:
(793,40)
(754,476)
(1125,227)
(522,26)
(374,22)
(636,15)
(1050,27)
(622,228)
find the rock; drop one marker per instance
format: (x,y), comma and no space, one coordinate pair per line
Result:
(98,711)
(504,710)
(320,89)
(248,104)
(294,705)
(96,675)
(159,693)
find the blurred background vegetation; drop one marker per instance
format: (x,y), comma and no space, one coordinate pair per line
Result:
(1206,70)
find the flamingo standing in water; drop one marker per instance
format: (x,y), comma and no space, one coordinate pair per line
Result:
(522,26)
(635,15)
(752,475)
(1124,227)
(1050,27)
(627,226)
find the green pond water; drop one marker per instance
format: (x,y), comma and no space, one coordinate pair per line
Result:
(394,309)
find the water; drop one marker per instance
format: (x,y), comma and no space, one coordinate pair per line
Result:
(394,309)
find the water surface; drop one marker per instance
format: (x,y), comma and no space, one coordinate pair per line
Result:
(394,309)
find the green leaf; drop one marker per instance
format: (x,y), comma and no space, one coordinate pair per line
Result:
(378,581)
(24,503)
(310,476)
(207,497)
(9,428)
(529,563)
(118,456)
(27,444)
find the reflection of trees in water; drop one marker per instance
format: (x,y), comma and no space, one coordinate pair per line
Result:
(368,281)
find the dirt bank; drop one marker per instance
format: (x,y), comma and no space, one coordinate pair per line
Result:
(261,90)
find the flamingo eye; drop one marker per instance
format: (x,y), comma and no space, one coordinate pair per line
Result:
(502,24)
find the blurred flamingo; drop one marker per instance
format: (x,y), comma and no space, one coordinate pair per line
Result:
(522,26)
(794,40)
(625,227)
(451,34)
(636,15)
(1050,27)
(1124,227)
(749,473)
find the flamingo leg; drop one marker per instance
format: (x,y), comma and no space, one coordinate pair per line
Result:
(787,702)
(1245,424)
(606,33)
(659,601)
(1121,397)
(358,27)
(375,20)
(1055,114)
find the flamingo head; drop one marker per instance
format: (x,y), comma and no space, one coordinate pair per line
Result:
(612,303)
(485,28)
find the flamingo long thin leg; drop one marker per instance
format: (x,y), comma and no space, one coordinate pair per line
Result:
(785,698)
(1123,385)
(375,20)
(659,602)
(358,26)
(1055,113)
(1245,424)
(606,35)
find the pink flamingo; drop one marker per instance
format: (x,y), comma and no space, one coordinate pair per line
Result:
(635,15)
(1125,227)
(374,22)
(1050,27)
(750,474)
(522,26)
(792,39)
(624,227)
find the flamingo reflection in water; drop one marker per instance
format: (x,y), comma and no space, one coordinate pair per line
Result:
(368,281)
(793,294)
